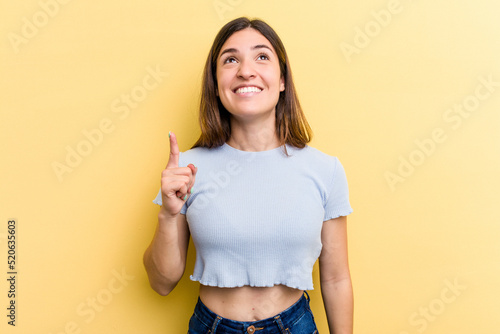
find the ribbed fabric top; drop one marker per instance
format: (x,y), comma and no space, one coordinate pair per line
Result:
(256,217)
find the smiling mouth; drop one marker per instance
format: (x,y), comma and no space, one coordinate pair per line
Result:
(250,89)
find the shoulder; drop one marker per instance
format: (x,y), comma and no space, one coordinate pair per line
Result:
(314,157)
(323,167)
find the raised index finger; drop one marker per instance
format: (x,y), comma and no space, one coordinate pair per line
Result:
(173,160)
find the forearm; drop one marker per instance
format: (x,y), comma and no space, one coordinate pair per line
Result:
(339,305)
(163,259)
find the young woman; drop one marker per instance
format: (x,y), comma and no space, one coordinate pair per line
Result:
(260,204)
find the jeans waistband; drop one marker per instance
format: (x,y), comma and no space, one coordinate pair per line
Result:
(218,323)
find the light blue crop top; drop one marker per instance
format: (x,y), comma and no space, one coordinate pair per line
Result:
(256,217)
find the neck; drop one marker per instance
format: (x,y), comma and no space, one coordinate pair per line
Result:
(254,136)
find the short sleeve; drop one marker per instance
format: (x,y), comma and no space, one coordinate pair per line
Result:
(158,200)
(337,203)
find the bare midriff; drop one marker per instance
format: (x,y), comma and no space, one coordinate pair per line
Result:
(249,303)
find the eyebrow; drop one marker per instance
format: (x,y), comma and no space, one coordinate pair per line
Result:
(258,46)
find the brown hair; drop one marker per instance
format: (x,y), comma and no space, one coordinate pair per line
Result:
(291,125)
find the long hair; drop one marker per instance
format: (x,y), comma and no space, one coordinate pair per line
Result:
(291,125)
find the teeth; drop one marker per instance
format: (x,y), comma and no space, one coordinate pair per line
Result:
(248,90)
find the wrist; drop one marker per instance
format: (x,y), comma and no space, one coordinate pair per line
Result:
(166,217)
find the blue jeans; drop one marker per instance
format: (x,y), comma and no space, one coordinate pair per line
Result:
(297,319)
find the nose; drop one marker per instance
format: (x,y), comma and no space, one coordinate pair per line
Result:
(246,69)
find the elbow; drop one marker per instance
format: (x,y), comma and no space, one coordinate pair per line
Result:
(158,281)
(336,284)
(162,289)
(335,277)
(161,286)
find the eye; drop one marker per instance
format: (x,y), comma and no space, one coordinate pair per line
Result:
(263,56)
(229,59)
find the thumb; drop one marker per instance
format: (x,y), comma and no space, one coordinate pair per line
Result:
(194,170)
(173,160)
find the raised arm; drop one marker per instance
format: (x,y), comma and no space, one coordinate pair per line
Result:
(165,258)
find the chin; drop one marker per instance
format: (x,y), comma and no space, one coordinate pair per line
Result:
(249,113)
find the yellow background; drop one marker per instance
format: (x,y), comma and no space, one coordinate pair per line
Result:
(408,242)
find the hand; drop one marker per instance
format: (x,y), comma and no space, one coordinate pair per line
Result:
(176,182)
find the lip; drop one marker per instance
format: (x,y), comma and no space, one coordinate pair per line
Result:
(242,86)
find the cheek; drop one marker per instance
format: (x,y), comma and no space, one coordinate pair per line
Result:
(275,79)
(277,83)
(223,92)
(222,83)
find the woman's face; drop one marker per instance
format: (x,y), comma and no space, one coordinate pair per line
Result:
(248,75)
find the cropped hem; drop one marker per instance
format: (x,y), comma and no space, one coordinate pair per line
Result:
(235,285)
